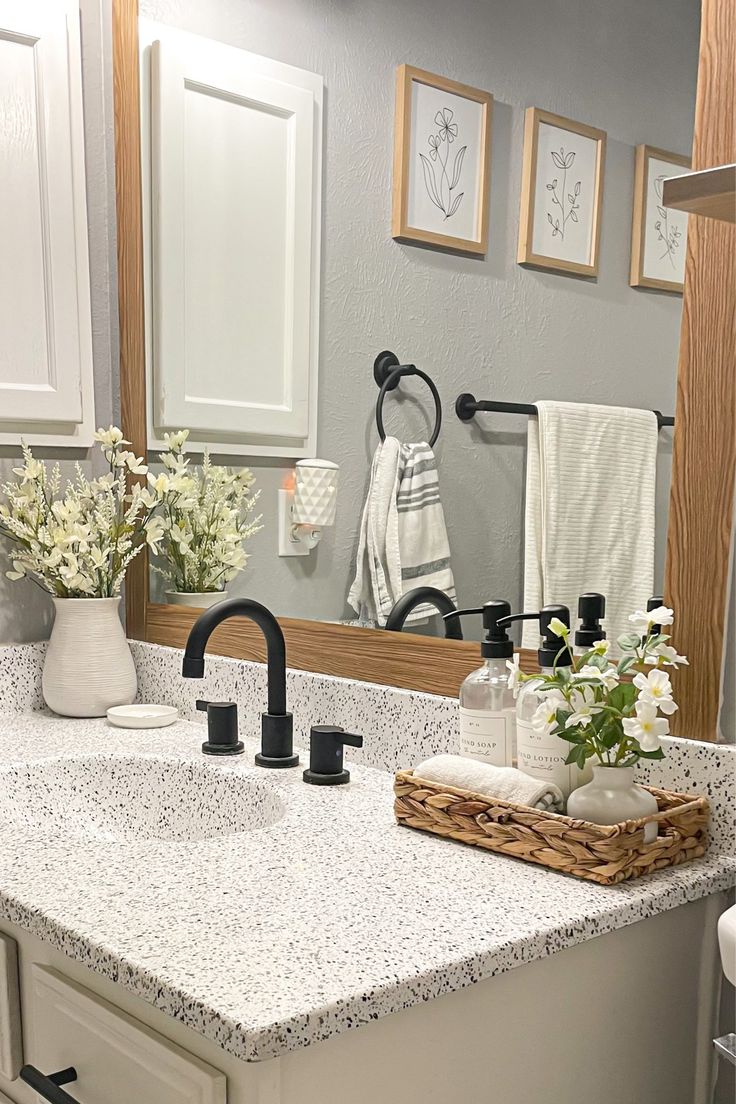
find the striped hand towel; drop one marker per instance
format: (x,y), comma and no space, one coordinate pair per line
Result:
(589,515)
(403,538)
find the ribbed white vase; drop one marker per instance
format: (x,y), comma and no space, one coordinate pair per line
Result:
(203,600)
(89,666)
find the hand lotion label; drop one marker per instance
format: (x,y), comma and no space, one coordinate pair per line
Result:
(543,756)
(488,735)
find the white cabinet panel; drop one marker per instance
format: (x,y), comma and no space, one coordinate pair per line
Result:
(116,1057)
(45,325)
(234,145)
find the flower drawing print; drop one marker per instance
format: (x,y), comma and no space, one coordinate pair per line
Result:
(565,205)
(440,180)
(669,237)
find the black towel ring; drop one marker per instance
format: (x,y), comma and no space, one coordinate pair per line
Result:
(387,372)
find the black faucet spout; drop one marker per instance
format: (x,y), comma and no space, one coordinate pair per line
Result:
(277,723)
(418,597)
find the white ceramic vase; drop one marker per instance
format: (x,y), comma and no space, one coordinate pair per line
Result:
(611,797)
(88,666)
(202,601)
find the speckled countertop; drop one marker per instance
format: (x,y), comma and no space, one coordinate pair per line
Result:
(288,934)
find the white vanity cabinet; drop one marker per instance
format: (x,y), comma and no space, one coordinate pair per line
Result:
(116,1057)
(46,385)
(652,984)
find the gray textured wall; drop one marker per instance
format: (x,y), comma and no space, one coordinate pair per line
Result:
(483,325)
(25,610)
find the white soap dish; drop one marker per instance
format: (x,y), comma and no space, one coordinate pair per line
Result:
(142,716)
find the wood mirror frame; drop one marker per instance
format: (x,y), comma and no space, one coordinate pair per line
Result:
(704,451)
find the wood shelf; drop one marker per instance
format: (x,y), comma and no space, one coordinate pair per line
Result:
(710,192)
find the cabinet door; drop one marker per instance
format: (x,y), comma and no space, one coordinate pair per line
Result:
(44,277)
(232,209)
(11,1045)
(116,1057)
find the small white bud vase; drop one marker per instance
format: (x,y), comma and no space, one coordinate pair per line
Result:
(88,666)
(612,797)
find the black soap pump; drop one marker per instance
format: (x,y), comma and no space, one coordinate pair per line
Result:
(591,611)
(539,753)
(487,708)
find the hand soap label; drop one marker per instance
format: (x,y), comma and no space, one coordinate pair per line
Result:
(488,735)
(543,756)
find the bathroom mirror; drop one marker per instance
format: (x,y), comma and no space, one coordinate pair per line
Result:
(257,325)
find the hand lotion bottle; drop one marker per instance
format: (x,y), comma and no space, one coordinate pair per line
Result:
(487,708)
(538,753)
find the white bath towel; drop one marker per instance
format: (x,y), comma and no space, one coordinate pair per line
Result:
(507,783)
(589,515)
(403,538)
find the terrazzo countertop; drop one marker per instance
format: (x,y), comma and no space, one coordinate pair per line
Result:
(323,915)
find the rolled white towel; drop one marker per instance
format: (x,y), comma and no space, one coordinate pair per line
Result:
(483,778)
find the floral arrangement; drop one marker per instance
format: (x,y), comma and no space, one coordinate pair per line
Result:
(77,541)
(204,519)
(599,712)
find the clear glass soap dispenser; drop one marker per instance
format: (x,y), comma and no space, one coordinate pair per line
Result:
(487,706)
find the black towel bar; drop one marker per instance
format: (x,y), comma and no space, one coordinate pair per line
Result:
(467,406)
(387,372)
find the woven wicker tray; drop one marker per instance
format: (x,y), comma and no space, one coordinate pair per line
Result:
(599,853)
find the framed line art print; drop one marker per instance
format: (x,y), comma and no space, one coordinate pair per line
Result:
(561,193)
(442,158)
(658,233)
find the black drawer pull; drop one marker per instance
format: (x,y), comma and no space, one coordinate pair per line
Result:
(47,1084)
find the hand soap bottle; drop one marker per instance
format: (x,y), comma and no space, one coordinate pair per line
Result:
(487,708)
(591,609)
(539,753)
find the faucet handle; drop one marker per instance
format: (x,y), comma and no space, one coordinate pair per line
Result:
(326,745)
(222,728)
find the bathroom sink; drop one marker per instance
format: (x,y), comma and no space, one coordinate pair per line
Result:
(122,798)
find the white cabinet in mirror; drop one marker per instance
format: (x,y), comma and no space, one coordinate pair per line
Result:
(232,251)
(46,388)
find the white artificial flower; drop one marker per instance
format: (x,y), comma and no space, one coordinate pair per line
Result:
(205,523)
(135,464)
(77,542)
(176,441)
(155,533)
(668,655)
(646,726)
(545,717)
(601,647)
(559,628)
(655,689)
(160,484)
(643,620)
(609,677)
(514,679)
(110,438)
(584,709)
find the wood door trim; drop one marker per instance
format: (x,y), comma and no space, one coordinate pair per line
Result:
(126,97)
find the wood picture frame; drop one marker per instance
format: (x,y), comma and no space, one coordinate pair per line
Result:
(423,200)
(701,500)
(645,221)
(561,208)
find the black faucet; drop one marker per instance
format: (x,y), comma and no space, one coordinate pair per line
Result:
(418,597)
(277,747)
